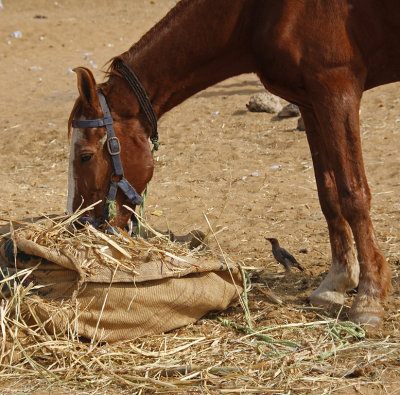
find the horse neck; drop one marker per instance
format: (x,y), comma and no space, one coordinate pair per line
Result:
(199,43)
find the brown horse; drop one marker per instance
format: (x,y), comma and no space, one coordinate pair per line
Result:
(319,54)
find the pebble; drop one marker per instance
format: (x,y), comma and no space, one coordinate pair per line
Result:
(16,34)
(255,174)
(291,110)
(300,125)
(264,102)
(1,5)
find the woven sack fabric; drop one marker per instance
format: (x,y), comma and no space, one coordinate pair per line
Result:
(113,305)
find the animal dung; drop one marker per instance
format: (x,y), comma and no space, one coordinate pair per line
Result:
(264,102)
(291,110)
(300,125)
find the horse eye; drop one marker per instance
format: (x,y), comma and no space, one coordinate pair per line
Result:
(86,157)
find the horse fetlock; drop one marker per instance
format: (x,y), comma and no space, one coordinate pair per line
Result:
(367,310)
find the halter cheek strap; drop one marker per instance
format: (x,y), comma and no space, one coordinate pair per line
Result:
(114,149)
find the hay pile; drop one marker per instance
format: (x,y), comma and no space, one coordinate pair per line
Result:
(116,251)
(227,353)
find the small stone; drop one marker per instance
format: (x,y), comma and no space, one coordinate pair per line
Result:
(264,102)
(255,174)
(16,34)
(291,110)
(300,125)
(1,5)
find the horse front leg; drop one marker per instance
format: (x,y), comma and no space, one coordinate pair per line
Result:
(337,96)
(344,272)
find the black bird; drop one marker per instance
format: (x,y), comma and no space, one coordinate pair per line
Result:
(282,256)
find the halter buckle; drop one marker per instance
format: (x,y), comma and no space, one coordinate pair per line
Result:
(113,146)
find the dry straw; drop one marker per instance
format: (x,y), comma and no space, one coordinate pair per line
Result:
(231,354)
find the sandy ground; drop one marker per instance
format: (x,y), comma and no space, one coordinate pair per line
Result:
(248,173)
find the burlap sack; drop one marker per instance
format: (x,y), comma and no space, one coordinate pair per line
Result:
(118,305)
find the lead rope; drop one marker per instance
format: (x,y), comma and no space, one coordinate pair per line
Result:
(156,144)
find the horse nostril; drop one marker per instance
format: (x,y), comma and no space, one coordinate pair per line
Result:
(86,157)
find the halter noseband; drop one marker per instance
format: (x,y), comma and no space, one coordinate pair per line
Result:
(114,147)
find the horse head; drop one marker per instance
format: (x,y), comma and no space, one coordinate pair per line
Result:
(110,157)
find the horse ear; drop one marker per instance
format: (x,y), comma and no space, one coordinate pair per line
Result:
(87,87)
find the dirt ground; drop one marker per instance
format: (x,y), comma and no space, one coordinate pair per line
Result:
(249,174)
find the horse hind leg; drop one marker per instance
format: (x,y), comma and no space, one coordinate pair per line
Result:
(344,272)
(337,99)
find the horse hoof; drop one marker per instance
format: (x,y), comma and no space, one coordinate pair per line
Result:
(326,298)
(367,311)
